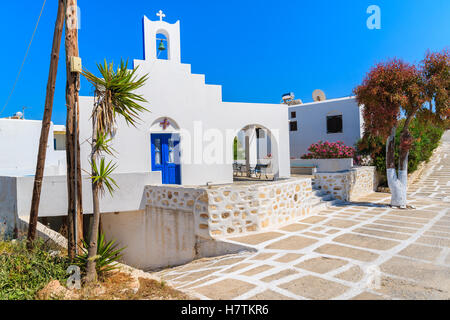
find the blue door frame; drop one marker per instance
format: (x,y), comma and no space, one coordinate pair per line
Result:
(166,157)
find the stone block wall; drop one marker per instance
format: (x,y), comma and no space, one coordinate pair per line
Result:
(182,199)
(347,185)
(235,209)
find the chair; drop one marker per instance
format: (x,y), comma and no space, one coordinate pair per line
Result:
(236,168)
(261,169)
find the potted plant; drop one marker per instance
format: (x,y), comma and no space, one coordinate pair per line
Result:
(328,156)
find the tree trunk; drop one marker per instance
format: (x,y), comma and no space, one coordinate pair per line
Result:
(91,275)
(398,184)
(46,122)
(395,182)
(80,215)
(405,140)
(72,144)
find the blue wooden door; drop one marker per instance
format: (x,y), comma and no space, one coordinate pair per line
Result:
(166,157)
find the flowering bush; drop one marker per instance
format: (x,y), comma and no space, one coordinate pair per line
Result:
(426,138)
(329,150)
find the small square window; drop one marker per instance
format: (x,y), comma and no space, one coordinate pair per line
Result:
(293,114)
(334,124)
(293,126)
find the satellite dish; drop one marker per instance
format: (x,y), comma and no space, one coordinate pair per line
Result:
(319,95)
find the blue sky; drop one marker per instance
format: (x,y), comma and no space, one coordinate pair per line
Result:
(257,50)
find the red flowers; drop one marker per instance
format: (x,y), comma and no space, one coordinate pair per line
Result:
(329,150)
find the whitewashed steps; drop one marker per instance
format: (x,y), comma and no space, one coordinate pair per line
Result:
(321,200)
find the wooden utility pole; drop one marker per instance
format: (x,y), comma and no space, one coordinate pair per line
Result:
(74,182)
(46,123)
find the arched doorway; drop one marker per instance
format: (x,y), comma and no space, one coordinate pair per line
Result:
(255,154)
(165,150)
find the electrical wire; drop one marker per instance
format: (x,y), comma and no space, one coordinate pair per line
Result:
(25,58)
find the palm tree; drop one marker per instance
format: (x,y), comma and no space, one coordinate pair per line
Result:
(114,96)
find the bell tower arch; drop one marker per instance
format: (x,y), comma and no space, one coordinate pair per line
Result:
(172,34)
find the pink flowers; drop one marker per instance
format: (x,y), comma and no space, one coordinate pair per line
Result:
(329,150)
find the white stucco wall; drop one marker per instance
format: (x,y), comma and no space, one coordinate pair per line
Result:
(19,141)
(8,209)
(16,193)
(197,108)
(312,124)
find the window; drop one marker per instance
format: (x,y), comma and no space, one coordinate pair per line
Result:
(59,142)
(334,124)
(293,114)
(171,151)
(158,159)
(293,126)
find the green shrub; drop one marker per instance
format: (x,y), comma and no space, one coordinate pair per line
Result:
(24,273)
(107,256)
(426,139)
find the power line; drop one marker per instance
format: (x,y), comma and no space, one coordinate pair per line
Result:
(25,58)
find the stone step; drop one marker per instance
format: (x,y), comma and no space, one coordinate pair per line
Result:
(321,200)
(324,205)
(324,199)
(319,207)
(319,193)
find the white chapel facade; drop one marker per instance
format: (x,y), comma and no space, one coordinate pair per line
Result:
(189,133)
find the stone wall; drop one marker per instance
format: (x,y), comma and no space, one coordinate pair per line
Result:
(182,199)
(180,224)
(347,185)
(236,209)
(362,182)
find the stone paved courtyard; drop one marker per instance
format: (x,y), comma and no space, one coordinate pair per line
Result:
(436,182)
(361,250)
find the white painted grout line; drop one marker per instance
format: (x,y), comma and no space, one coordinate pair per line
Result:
(388,254)
(309,254)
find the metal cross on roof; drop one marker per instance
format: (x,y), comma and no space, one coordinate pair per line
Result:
(161,15)
(165,124)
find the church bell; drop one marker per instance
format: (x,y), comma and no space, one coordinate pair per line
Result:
(161,46)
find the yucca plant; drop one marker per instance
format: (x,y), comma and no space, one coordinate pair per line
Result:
(108,255)
(101,175)
(115,95)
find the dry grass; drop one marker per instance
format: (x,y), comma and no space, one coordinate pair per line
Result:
(122,286)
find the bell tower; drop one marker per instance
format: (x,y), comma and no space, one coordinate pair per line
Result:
(170,31)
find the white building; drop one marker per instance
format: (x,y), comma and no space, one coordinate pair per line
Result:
(188,139)
(19,142)
(189,133)
(330,120)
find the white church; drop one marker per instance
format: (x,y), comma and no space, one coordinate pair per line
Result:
(190,139)
(189,133)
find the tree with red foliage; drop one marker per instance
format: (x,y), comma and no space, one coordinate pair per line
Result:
(389,91)
(435,70)
(397,89)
